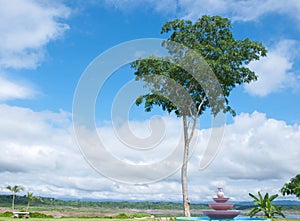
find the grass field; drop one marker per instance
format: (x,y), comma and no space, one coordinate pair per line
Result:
(94,219)
(67,219)
(71,219)
(64,219)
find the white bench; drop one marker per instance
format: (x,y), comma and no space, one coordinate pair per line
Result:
(16,214)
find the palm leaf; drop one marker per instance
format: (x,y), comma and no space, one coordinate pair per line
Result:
(273,197)
(264,205)
(254,211)
(256,200)
(261,200)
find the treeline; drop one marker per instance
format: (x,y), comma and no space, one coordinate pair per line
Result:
(5,201)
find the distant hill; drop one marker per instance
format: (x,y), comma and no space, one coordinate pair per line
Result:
(287,202)
(277,202)
(5,201)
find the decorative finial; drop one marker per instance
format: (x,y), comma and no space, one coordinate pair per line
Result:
(220,193)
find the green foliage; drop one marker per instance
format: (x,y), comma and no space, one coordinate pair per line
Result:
(210,37)
(292,187)
(14,189)
(139,215)
(39,215)
(122,216)
(54,204)
(263,204)
(31,198)
(6,214)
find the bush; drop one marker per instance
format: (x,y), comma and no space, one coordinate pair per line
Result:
(122,216)
(39,215)
(139,215)
(80,217)
(6,214)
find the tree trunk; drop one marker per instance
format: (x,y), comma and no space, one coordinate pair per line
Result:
(28,204)
(13,203)
(184,183)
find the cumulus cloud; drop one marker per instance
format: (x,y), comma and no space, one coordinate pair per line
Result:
(40,148)
(248,10)
(25,29)
(258,153)
(251,149)
(275,72)
(15,90)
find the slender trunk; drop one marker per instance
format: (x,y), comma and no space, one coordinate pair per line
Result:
(28,204)
(13,203)
(184,183)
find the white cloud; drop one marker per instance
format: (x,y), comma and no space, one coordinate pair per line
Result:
(247,10)
(256,148)
(239,10)
(13,90)
(275,71)
(256,152)
(26,26)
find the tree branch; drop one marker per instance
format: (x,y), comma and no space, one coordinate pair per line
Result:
(190,136)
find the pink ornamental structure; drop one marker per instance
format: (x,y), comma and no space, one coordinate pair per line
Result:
(221,209)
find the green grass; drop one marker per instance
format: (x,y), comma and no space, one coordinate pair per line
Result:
(93,219)
(283,219)
(68,219)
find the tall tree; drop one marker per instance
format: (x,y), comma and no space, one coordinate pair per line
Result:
(30,198)
(292,187)
(15,189)
(210,37)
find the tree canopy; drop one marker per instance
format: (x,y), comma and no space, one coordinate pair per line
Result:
(292,187)
(210,37)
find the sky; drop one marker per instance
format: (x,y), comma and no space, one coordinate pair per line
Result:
(46,49)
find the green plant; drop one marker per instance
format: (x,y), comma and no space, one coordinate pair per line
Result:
(139,215)
(39,215)
(293,187)
(263,204)
(15,189)
(6,214)
(122,216)
(30,198)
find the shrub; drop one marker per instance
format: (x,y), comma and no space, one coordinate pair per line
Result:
(39,215)
(122,216)
(6,214)
(263,204)
(139,215)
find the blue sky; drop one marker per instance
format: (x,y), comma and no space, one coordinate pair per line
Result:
(47,45)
